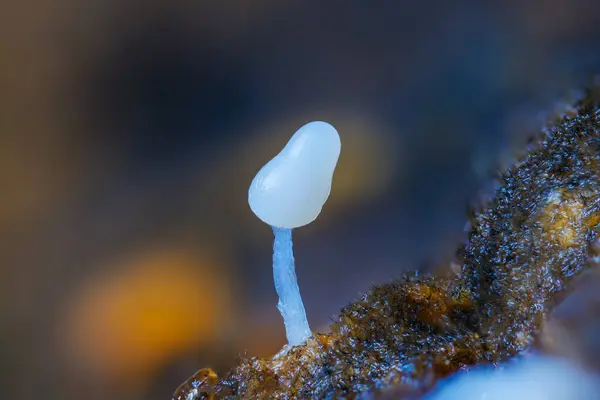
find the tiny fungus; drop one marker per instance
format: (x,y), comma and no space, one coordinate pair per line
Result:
(287,193)
(519,291)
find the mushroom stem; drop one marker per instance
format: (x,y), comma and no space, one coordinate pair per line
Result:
(290,302)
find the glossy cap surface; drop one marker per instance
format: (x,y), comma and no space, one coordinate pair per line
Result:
(291,189)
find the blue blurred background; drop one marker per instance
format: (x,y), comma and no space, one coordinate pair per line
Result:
(131,132)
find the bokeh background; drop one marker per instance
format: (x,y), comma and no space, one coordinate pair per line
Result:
(130,132)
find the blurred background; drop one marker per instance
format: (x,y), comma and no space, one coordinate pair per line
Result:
(130,132)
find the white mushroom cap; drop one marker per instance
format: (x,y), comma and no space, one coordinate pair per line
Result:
(290,190)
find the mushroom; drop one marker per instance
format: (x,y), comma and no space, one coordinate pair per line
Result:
(287,193)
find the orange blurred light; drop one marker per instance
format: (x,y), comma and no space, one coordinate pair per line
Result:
(150,308)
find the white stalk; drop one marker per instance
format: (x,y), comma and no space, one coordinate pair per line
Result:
(290,302)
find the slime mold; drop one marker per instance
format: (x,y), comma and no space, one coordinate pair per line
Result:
(289,192)
(397,341)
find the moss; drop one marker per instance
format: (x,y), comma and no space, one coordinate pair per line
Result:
(400,338)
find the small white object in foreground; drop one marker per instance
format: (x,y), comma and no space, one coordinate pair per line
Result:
(535,378)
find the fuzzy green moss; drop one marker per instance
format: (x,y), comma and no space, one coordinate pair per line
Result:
(402,337)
